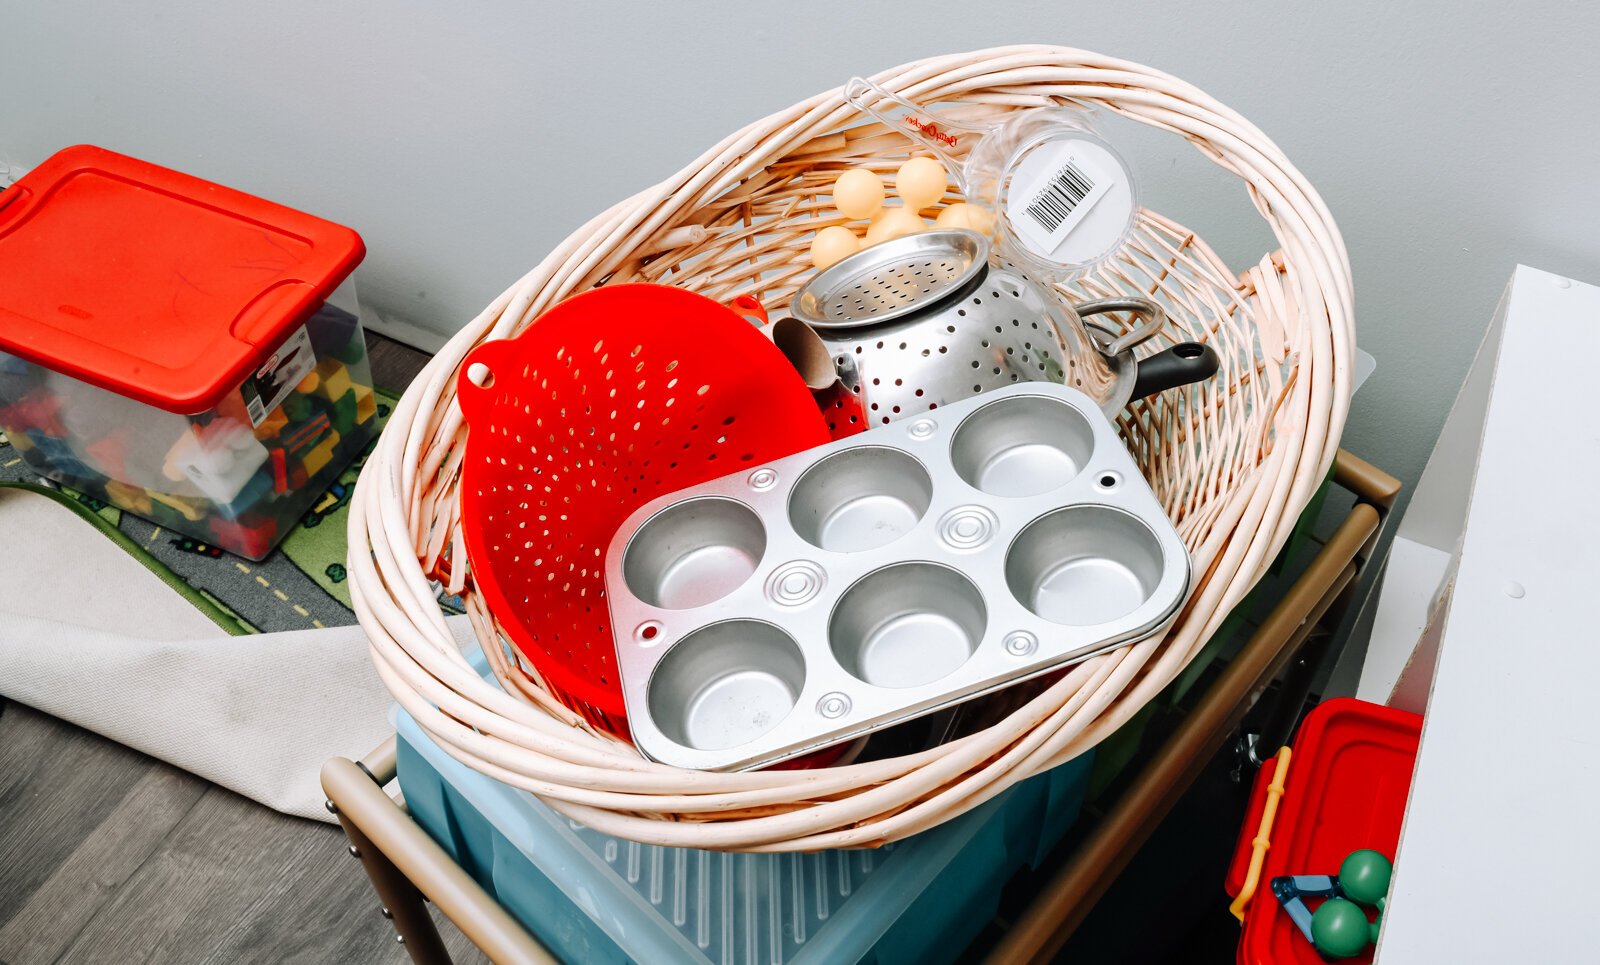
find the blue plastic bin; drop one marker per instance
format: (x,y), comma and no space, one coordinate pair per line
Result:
(590,897)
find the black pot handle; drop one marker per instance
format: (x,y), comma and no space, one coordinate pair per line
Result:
(1181,364)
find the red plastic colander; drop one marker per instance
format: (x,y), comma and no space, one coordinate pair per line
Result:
(608,400)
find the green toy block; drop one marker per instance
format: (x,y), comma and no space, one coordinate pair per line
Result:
(345,412)
(298,407)
(352,351)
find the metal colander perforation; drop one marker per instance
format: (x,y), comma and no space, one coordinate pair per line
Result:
(893,279)
(881,294)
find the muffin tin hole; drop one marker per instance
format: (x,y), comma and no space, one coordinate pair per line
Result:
(694,552)
(860,499)
(1084,565)
(1022,446)
(726,684)
(907,624)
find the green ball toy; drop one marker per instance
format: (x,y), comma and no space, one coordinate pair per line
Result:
(1364,877)
(1339,928)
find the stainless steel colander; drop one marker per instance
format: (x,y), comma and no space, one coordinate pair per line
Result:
(926,320)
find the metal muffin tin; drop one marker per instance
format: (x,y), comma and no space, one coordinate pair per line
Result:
(809,600)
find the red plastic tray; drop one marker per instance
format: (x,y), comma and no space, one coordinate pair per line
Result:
(1349,777)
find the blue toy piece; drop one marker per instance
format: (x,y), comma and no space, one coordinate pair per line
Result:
(1339,927)
(53,457)
(258,490)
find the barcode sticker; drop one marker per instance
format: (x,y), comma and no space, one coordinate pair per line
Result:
(271,384)
(1061,196)
(1051,193)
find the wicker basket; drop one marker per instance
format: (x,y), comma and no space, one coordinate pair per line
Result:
(1234,460)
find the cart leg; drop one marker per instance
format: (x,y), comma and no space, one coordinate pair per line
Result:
(402,902)
(1377,489)
(406,866)
(1279,723)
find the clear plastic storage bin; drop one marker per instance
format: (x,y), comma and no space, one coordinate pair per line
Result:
(178,349)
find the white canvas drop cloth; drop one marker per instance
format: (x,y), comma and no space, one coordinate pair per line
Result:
(91,636)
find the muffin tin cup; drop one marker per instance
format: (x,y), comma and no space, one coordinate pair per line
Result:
(860,498)
(807,601)
(694,552)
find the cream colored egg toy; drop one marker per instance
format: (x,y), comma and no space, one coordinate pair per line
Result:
(894,221)
(858,193)
(920,182)
(831,244)
(964,215)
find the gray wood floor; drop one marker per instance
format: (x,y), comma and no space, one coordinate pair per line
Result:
(107,855)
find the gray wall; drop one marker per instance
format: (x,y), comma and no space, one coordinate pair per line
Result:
(1450,140)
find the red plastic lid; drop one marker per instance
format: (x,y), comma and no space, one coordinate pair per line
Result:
(1349,777)
(154,284)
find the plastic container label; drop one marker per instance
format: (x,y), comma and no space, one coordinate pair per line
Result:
(266,389)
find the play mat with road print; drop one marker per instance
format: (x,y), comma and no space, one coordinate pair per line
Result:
(300,586)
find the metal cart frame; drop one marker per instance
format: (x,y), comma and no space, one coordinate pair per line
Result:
(406,866)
